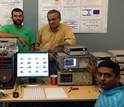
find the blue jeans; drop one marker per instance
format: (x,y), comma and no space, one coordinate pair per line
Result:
(53,67)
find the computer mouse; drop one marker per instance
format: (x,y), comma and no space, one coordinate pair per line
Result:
(15,94)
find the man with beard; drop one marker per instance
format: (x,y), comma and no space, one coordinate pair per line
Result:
(112,91)
(24,36)
(53,37)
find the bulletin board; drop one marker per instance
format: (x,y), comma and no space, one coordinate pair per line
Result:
(84,16)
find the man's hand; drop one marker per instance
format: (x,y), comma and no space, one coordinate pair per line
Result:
(56,48)
(52,49)
(92,68)
(22,41)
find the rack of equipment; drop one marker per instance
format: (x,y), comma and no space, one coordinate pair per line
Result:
(8,48)
(73,67)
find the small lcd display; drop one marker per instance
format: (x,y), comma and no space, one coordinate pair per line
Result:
(69,62)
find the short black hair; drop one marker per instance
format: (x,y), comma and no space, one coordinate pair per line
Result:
(54,11)
(16,10)
(110,64)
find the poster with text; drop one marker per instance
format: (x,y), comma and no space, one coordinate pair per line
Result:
(84,16)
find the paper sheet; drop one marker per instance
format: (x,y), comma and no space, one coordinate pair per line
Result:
(55,93)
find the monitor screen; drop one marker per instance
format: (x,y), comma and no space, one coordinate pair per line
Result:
(69,62)
(33,64)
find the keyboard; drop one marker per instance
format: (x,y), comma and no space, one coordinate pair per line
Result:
(33,93)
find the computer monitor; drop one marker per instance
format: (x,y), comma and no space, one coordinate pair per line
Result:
(32,65)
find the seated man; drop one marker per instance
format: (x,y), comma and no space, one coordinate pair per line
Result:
(24,36)
(112,91)
(54,36)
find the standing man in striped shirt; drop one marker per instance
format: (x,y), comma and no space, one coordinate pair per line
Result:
(111,90)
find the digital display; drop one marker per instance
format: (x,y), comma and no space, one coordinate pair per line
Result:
(32,64)
(69,62)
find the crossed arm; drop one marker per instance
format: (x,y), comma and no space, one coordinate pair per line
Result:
(8,35)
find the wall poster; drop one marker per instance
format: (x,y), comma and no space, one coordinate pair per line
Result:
(84,16)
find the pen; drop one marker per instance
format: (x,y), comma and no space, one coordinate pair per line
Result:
(69,90)
(73,88)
